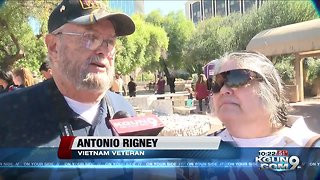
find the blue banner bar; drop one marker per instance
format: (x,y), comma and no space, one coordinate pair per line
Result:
(227,162)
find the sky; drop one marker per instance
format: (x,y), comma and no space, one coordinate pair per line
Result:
(164,6)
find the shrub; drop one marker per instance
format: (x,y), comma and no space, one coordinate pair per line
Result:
(286,71)
(313,67)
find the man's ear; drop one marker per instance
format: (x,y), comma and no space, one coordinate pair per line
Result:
(51,42)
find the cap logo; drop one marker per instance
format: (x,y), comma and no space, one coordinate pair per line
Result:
(89,4)
(62,8)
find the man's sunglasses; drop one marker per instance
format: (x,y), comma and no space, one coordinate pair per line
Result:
(234,79)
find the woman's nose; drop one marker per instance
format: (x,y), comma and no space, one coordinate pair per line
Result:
(226,90)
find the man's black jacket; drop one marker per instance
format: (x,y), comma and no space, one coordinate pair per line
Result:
(32,117)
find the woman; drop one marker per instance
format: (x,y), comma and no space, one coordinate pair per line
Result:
(161,85)
(22,77)
(201,90)
(6,81)
(248,97)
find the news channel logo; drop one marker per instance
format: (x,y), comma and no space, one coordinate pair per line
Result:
(277,160)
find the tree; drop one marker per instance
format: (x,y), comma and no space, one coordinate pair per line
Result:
(272,14)
(179,30)
(218,35)
(142,48)
(19,46)
(155,18)
(211,39)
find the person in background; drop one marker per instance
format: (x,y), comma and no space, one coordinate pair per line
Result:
(190,93)
(171,82)
(22,77)
(6,81)
(209,83)
(45,70)
(201,90)
(249,98)
(151,86)
(132,86)
(118,85)
(160,85)
(189,102)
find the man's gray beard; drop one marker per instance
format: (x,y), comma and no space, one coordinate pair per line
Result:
(84,80)
(94,81)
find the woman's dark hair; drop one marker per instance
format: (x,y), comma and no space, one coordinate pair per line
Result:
(44,67)
(6,76)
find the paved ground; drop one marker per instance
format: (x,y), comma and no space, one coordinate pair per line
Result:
(310,110)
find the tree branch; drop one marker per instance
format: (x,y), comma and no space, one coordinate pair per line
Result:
(15,41)
(10,59)
(3,49)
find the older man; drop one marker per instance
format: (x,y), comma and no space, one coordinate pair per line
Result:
(76,101)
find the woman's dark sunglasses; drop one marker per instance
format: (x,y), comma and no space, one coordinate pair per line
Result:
(234,78)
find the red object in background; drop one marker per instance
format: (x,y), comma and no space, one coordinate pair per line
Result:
(137,126)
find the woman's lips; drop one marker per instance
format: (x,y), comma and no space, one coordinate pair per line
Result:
(228,103)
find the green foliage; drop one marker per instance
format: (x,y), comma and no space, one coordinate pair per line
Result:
(285,69)
(218,35)
(187,47)
(179,29)
(145,77)
(155,18)
(313,69)
(141,49)
(41,10)
(212,39)
(19,45)
(272,14)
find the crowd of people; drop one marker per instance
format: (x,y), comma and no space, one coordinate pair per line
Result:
(17,79)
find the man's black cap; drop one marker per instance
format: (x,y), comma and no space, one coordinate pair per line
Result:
(88,12)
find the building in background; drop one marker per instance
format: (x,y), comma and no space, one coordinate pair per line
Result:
(129,7)
(199,10)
